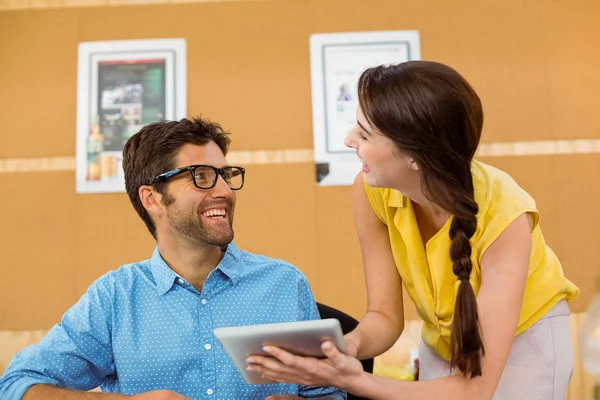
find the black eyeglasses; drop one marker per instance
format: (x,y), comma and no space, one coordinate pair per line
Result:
(205,176)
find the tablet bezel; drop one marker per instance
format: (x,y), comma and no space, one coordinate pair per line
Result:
(300,337)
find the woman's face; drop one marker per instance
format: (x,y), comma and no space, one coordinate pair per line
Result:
(384,165)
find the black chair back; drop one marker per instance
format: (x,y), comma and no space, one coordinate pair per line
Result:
(348,324)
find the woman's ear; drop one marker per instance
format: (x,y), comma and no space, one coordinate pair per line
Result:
(413,164)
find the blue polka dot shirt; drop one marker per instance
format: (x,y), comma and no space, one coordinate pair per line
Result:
(143,328)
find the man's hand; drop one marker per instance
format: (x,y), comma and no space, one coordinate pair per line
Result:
(160,395)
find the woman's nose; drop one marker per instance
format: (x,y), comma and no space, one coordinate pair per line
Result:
(349,141)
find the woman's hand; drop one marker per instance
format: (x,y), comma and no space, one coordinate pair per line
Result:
(351,346)
(337,370)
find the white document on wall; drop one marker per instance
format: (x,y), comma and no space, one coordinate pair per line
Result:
(122,86)
(337,61)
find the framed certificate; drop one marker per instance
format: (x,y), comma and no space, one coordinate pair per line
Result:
(122,86)
(337,61)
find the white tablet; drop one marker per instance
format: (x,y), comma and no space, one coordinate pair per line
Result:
(301,338)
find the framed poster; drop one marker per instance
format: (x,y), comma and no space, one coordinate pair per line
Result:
(336,62)
(122,86)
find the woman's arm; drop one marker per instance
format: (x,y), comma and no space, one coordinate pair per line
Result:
(504,273)
(384,321)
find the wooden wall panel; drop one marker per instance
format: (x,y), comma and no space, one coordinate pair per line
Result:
(38,77)
(340,273)
(577,191)
(570,40)
(275,215)
(109,234)
(493,44)
(38,243)
(248,68)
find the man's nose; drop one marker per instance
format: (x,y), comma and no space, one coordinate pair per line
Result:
(221,188)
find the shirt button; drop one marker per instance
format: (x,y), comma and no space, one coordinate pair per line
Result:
(180,281)
(209,391)
(204,301)
(207,346)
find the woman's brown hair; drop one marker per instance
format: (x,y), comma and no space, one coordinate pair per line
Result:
(432,114)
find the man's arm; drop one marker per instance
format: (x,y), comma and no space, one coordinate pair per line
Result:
(290,397)
(48,392)
(75,354)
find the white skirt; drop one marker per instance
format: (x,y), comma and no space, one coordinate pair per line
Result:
(539,366)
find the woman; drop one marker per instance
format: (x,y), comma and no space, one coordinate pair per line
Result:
(464,240)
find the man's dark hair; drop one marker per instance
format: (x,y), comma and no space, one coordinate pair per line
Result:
(153,150)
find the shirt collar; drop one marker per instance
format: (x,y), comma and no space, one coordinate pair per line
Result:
(164,276)
(396,199)
(231,263)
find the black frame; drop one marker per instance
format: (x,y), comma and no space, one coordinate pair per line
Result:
(165,176)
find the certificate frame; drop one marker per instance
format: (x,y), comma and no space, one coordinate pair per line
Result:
(337,60)
(122,86)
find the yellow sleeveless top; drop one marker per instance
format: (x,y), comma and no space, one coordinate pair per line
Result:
(426,271)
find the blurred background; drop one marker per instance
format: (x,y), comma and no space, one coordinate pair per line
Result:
(534,63)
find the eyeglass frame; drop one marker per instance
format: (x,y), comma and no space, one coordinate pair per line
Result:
(165,176)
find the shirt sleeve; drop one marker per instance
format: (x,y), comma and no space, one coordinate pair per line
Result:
(75,354)
(377,200)
(497,215)
(308,307)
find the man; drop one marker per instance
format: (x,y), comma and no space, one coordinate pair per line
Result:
(146,329)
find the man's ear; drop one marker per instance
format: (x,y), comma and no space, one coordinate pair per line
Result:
(151,200)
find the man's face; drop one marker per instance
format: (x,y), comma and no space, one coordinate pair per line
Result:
(204,216)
